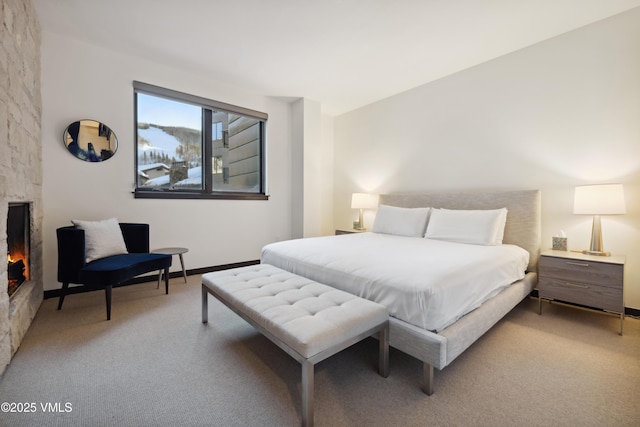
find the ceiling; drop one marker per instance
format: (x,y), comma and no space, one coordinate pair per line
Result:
(341,53)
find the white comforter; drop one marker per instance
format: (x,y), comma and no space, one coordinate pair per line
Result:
(427,283)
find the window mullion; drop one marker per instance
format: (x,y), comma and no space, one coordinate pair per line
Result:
(207,166)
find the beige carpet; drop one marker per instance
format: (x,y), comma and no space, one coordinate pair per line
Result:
(156,364)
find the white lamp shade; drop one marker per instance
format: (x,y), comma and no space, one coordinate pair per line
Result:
(602,199)
(364,201)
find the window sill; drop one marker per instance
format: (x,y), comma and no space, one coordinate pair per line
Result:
(192,195)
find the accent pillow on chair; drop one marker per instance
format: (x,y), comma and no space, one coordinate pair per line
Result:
(102,238)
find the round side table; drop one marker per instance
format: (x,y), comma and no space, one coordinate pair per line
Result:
(173,251)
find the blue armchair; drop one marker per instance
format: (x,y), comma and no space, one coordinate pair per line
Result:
(107,272)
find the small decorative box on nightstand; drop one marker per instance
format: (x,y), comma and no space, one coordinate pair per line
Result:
(591,281)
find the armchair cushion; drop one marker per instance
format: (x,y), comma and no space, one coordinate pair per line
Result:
(102,238)
(119,268)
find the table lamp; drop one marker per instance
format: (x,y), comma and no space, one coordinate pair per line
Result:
(363,201)
(596,200)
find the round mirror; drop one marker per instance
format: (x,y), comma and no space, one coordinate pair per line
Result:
(90,140)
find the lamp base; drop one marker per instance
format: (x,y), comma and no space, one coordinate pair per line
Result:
(360,225)
(596,239)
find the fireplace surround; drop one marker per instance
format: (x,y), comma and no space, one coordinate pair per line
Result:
(20,165)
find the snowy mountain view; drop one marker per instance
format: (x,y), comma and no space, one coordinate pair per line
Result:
(155,140)
(169,154)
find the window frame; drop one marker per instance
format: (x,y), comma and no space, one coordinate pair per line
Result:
(207,106)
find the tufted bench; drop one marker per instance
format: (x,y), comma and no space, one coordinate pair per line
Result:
(308,320)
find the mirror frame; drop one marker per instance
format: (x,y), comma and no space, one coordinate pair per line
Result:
(90,140)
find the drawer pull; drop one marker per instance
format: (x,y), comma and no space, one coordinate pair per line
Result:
(574,285)
(579,264)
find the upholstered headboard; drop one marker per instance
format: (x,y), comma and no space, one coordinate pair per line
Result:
(523,227)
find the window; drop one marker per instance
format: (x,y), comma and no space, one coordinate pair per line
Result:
(195,148)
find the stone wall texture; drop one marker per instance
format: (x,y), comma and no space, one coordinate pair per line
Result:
(20,161)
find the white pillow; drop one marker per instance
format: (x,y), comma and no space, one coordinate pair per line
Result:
(410,222)
(478,227)
(102,238)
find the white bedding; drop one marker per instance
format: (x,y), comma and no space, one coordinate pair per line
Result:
(428,283)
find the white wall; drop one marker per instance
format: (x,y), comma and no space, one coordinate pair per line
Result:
(80,81)
(561,113)
(325,182)
(297,167)
(312,154)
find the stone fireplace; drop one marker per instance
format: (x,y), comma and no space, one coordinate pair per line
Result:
(20,171)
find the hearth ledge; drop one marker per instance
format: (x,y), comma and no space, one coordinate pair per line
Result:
(23,306)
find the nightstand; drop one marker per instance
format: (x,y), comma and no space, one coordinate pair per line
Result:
(338,232)
(591,281)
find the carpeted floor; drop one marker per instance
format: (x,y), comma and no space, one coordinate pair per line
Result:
(156,364)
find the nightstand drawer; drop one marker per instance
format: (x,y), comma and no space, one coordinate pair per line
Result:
(579,271)
(606,298)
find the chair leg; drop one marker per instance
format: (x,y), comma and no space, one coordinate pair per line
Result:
(107,294)
(63,292)
(166,280)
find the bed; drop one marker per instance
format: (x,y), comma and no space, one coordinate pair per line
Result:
(432,318)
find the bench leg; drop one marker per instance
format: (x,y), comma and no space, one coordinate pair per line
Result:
(205,305)
(63,292)
(383,357)
(307,393)
(107,296)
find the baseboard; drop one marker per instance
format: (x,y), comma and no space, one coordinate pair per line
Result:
(55,293)
(628,311)
(631,312)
